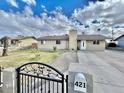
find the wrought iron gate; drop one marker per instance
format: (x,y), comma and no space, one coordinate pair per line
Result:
(38,77)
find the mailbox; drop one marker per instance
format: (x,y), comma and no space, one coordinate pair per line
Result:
(80,83)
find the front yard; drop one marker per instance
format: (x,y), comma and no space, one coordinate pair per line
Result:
(19,57)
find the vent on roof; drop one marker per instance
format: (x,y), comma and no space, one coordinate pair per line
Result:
(83,33)
(20,36)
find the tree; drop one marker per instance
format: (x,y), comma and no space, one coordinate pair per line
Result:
(5,42)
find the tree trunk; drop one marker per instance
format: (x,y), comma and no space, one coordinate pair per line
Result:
(5,40)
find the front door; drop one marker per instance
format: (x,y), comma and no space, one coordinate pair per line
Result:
(83,45)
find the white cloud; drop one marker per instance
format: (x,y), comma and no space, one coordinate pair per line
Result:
(109,12)
(43,6)
(13,3)
(30,2)
(28,11)
(27,24)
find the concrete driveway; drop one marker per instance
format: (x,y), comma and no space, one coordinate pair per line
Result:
(63,61)
(107,69)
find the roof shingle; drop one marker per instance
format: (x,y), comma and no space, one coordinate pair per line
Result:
(79,37)
(91,37)
(63,37)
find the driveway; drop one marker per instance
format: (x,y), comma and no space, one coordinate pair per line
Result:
(63,61)
(107,69)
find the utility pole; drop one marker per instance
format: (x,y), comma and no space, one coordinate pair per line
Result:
(112,34)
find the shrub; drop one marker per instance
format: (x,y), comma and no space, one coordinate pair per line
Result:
(54,48)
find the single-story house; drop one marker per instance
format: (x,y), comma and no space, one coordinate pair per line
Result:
(120,41)
(73,41)
(21,41)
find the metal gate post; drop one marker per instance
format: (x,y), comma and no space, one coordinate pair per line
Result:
(63,84)
(18,81)
(66,83)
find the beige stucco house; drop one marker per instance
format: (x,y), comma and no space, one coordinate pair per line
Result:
(48,42)
(73,41)
(21,41)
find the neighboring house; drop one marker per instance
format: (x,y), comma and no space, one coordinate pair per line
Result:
(120,41)
(21,41)
(72,42)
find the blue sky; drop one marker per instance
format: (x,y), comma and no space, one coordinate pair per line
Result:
(68,6)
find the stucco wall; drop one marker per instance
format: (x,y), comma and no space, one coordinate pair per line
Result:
(91,46)
(121,42)
(73,40)
(52,43)
(27,42)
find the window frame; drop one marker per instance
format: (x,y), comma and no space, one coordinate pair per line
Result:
(96,42)
(42,42)
(58,42)
(13,42)
(2,42)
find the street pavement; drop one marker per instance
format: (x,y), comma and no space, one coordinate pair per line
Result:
(107,69)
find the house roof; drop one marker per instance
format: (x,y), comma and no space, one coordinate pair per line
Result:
(91,37)
(19,37)
(22,37)
(79,37)
(119,37)
(63,37)
(5,37)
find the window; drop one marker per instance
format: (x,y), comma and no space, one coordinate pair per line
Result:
(2,42)
(96,42)
(42,42)
(13,42)
(58,42)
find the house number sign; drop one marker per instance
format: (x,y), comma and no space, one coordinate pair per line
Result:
(80,83)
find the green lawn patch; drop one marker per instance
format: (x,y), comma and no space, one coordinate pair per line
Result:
(19,57)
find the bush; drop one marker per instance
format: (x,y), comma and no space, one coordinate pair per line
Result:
(112,45)
(54,48)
